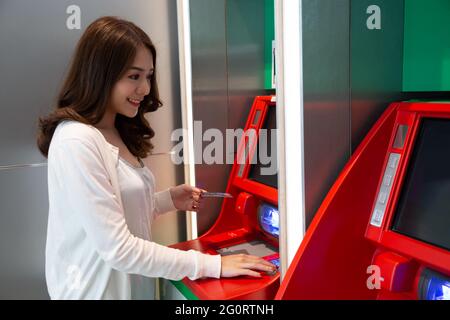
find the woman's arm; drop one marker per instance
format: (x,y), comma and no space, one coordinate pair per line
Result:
(162,202)
(89,194)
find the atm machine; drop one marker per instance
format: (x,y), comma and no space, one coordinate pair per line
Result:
(248,222)
(383,230)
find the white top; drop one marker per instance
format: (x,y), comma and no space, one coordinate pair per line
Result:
(94,242)
(136,183)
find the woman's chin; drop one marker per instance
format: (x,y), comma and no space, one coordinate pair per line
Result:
(129,114)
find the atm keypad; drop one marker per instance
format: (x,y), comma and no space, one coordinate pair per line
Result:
(385,190)
(383,197)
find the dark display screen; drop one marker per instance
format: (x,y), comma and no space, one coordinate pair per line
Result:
(423,210)
(256,172)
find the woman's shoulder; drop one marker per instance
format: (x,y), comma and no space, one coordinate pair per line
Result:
(75,130)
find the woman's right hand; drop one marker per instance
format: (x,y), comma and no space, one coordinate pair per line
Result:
(244,265)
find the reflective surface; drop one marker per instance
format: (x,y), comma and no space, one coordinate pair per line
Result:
(376,64)
(326,76)
(24,210)
(36,47)
(210,102)
(400,136)
(227,43)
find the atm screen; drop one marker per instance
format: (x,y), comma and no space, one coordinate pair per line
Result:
(264,169)
(269,219)
(423,209)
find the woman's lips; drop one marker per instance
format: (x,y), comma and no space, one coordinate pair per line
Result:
(134,102)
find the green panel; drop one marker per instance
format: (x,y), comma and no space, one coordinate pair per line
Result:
(426,65)
(184,290)
(245,44)
(376,55)
(250,29)
(269,36)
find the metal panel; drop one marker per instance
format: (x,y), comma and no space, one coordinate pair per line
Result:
(209,86)
(377,63)
(326,79)
(245,44)
(24,211)
(227,42)
(34,60)
(245,28)
(34,55)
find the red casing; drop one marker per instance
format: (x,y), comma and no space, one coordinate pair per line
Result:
(340,244)
(237,223)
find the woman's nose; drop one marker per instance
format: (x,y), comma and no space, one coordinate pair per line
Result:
(144,88)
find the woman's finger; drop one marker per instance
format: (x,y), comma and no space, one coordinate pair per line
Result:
(196,190)
(251,273)
(257,266)
(250,258)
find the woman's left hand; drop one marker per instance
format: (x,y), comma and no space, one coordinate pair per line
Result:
(186,198)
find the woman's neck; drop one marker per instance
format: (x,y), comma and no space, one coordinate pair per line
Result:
(107,122)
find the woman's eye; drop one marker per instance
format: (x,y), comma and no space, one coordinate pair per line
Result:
(134,77)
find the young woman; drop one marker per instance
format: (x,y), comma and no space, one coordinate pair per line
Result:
(102,198)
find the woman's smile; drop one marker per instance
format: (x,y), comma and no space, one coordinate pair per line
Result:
(134,102)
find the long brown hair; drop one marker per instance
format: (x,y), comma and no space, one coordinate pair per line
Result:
(104,53)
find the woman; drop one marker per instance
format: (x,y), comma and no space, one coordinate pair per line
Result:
(102,198)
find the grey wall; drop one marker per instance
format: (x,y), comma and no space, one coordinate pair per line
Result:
(23,221)
(35,51)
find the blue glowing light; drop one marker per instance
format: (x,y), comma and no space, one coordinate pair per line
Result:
(276,262)
(438,289)
(269,219)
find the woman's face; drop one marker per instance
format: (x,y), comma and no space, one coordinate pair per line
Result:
(128,93)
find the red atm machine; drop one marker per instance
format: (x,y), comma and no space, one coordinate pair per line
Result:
(248,222)
(383,230)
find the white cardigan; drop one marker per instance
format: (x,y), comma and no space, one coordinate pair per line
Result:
(90,251)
